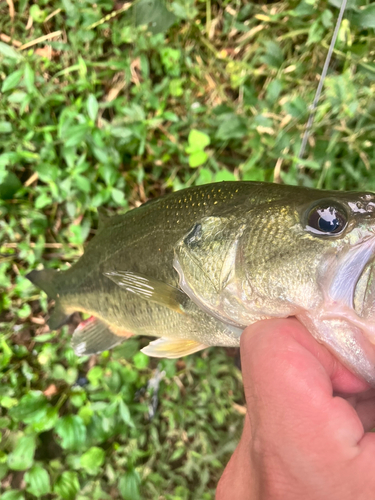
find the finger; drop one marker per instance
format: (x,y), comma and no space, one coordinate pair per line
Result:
(236,483)
(364,405)
(366,413)
(301,437)
(289,380)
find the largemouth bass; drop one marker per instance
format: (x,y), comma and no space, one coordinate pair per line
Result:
(195,267)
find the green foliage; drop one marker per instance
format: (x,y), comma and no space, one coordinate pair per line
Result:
(72,432)
(37,481)
(21,458)
(197,143)
(117,107)
(92,460)
(154,14)
(129,485)
(67,485)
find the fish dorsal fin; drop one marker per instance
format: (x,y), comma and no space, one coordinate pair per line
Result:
(172,348)
(93,336)
(150,289)
(103,218)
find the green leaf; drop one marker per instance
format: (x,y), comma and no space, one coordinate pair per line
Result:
(6,401)
(24,311)
(154,14)
(273,91)
(86,413)
(197,141)
(232,127)
(5,423)
(6,354)
(29,78)
(92,107)
(92,460)
(82,183)
(125,413)
(121,132)
(118,196)
(37,481)
(31,408)
(197,158)
(95,375)
(225,175)
(72,432)
(42,201)
(75,134)
(12,495)
(58,372)
(67,485)
(5,128)
(141,361)
(21,458)
(12,80)
(351,4)
(8,51)
(17,97)
(129,485)
(274,56)
(366,17)
(44,337)
(176,87)
(47,422)
(37,14)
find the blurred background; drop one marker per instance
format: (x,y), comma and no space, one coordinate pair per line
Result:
(110,104)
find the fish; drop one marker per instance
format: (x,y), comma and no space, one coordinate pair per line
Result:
(194,268)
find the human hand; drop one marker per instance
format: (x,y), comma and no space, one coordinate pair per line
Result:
(306,433)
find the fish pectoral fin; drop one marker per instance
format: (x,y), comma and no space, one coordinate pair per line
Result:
(92,336)
(172,348)
(150,289)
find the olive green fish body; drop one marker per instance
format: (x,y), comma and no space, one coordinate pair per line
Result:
(143,241)
(199,265)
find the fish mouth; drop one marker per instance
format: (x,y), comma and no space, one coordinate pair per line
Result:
(348,274)
(351,287)
(364,293)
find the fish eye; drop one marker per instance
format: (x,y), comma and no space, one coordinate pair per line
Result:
(327,219)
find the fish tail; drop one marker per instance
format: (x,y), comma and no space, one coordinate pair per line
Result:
(47,279)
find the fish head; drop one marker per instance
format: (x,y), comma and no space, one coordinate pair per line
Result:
(303,253)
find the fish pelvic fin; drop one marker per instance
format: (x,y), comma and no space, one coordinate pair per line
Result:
(59,317)
(46,279)
(172,348)
(93,336)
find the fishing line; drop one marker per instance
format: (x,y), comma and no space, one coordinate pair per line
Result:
(314,104)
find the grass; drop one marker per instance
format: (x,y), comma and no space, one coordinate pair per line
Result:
(97,109)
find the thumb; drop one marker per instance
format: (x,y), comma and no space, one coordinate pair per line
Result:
(281,344)
(289,379)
